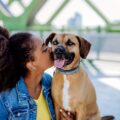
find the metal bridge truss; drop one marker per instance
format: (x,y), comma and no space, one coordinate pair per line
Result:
(26,21)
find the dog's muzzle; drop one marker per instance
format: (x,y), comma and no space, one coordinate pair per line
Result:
(61,57)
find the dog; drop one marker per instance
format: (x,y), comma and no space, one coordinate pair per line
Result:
(71,88)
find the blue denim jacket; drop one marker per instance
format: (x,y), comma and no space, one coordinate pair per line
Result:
(17,104)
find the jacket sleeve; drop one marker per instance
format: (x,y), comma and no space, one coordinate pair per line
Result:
(3,111)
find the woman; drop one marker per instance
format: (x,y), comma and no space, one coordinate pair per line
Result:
(25,88)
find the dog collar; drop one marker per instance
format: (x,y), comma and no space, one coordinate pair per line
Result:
(71,71)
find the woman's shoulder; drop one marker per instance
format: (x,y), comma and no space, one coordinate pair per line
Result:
(8,94)
(3,111)
(7,99)
(46,80)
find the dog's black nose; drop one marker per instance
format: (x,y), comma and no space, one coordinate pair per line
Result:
(59,50)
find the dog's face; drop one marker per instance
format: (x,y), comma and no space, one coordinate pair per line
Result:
(67,49)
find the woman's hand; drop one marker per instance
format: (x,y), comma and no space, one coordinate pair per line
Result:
(66,115)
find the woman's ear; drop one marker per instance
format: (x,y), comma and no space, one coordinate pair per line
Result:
(49,38)
(30,67)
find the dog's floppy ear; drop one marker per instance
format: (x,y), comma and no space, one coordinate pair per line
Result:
(50,38)
(84,47)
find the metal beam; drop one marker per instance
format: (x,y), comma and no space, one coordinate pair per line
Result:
(31,11)
(34,10)
(5,7)
(97,11)
(21,22)
(2,15)
(21,3)
(58,11)
(10,1)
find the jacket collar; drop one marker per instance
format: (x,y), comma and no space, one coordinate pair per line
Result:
(22,90)
(46,82)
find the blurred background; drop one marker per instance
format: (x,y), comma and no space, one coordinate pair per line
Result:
(96,20)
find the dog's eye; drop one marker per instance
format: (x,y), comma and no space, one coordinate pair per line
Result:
(55,42)
(70,43)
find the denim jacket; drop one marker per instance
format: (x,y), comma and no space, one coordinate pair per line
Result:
(17,104)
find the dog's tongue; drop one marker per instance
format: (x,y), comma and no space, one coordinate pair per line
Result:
(59,63)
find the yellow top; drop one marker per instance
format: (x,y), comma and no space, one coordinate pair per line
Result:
(42,108)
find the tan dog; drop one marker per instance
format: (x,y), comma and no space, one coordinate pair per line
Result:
(71,88)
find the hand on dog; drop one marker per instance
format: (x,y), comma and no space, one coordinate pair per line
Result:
(66,115)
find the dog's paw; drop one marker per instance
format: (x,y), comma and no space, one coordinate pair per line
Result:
(109,117)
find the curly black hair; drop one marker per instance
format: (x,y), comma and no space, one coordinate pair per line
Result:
(15,52)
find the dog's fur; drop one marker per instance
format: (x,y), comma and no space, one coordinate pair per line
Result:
(73,92)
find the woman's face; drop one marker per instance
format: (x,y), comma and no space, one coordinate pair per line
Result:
(42,55)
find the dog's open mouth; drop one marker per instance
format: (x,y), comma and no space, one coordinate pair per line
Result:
(65,60)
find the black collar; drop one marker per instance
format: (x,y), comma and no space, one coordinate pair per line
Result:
(71,71)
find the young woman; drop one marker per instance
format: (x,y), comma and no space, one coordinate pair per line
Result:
(24,87)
